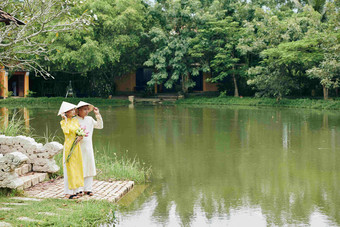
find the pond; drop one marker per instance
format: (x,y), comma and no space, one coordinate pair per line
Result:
(217,166)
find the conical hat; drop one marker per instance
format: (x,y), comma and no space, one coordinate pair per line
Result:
(81,103)
(66,106)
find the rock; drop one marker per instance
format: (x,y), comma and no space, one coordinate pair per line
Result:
(27,219)
(5,208)
(4,224)
(16,204)
(26,199)
(15,151)
(47,213)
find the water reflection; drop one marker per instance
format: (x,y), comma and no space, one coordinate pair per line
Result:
(17,113)
(4,117)
(226,161)
(219,166)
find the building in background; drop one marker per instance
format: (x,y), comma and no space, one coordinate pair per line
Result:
(17,84)
(137,81)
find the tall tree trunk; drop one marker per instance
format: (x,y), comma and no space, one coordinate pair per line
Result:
(235,86)
(184,83)
(325,92)
(234,79)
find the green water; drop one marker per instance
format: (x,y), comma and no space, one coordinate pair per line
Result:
(216,166)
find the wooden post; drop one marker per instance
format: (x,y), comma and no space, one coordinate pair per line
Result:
(4,115)
(3,82)
(27,118)
(26,84)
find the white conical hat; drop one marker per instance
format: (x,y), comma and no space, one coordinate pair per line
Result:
(66,106)
(81,103)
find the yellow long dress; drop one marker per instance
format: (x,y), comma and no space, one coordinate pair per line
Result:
(74,166)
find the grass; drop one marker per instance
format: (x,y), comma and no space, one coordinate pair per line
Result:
(43,101)
(14,127)
(48,136)
(111,167)
(67,212)
(248,101)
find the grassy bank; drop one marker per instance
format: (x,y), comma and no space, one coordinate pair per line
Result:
(43,101)
(111,167)
(247,101)
(53,212)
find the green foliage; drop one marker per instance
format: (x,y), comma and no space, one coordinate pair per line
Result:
(9,94)
(177,26)
(111,46)
(247,101)
(216,43)
(30,93)
(23,43)
(328,70)
(288,46)
(272,44)
(270,82)
(43,101)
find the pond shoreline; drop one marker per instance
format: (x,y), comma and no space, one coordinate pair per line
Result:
(36,102)
(263,102)
(305,103)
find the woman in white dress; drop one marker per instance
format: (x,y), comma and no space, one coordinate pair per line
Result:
(86,146)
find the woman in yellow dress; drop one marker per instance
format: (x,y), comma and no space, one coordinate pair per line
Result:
(73,168)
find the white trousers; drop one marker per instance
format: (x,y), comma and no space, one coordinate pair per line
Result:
(68,191)
(88,181)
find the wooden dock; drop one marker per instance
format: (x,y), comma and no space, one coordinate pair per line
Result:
(102,190)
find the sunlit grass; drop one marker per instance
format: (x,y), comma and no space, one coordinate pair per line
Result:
(111,166)
(61,212)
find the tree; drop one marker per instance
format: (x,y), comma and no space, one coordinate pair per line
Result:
(215,44)
(328,70)
(286,53)
(111,46)
(172,35)
(20,46)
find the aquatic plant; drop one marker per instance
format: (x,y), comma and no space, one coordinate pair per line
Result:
(14,127)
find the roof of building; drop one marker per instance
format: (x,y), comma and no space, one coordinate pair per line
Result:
(7,18)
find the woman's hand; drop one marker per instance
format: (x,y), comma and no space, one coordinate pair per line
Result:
(96,110)
(79,138)
(63,116)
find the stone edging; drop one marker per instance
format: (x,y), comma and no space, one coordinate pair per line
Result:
(15,151)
